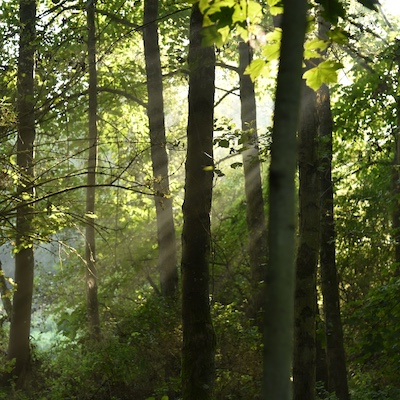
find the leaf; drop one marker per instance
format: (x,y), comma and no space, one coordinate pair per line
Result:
(236,165)
(208,168)
(256,68)
(91,215)
(325,72)
(223,17)
(332,10)
(219,173)
(371,4)
(211,36)
(312,48)
(338,36)
(203,5)
(223,143)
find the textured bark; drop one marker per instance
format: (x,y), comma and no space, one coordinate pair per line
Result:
(336,360)
(278,338)
(198,352)
(257,232)
(304,362)
(90,248)
(18,346)
(167,259)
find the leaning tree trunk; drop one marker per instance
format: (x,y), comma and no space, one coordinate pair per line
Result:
(336,360)
(167,259)
(90,248)
(278,338)
(304,362)
(257,232)
(18,346)
(198,352)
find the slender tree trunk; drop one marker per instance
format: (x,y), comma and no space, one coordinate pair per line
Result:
(278,338)
(304,362)
(198,352)
(5,294)
(336,360)
(256,228)
(18,346)
(90,252)
(396,187)
(167,259)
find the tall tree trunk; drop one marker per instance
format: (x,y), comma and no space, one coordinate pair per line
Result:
(198,352)
(396,186)
(278,338)
(256,228)
(167,259)
(18,346)
(90,248)
(336,360)
(304,362)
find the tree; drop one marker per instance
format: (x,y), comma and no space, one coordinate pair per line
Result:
(278,338)
(167,258)
(198,367)
(19,345)
(90,236)
(257,233)
(336,359)
(308,250)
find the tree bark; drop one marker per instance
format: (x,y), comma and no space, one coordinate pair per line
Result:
(18,346)
(396,187)
(5,294)
(257,232)
(336,360)
(198,352)
(90,247)
(304,362)
(167,258)
(278,338)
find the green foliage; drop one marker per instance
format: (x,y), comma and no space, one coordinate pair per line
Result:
(221,17)
(325,72)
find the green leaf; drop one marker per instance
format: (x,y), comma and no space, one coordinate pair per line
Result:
(236,165)
(325,72)
(338,36)
(223,17)
(332,10)
(312,48)
(211,36)
(256,68)
(371,4)
(223,143)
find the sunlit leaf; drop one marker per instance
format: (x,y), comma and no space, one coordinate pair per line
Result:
(325,72)
(256,68)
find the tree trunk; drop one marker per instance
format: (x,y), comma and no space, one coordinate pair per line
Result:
(396,188)
(18,346)
(256,228)
(90,248)
(198,365)
(167,259)
(278,338)
(336,360)
(5,294)
(304,362)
